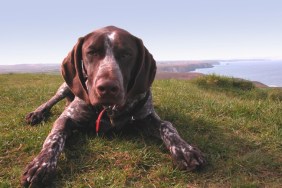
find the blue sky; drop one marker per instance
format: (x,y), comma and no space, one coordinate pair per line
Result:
(44,31)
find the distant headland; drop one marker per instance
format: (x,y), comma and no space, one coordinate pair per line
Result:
(166,69)
(163,66)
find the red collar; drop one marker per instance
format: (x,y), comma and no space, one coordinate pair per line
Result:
(98,121)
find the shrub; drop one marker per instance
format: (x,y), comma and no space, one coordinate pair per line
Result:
(222,82)
(275,94)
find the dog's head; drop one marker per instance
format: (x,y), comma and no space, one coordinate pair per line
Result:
(109,66)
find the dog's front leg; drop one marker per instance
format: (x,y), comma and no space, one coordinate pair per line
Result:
(42,168)
(185,156)
(41,112)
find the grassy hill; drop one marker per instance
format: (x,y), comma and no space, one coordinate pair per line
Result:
(236,125)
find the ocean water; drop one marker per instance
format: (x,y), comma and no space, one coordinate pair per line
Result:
(268,72)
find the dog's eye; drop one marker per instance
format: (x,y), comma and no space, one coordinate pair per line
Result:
(94,52)
(125,55)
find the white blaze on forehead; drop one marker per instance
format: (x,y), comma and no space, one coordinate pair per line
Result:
(112,36)
(109,63)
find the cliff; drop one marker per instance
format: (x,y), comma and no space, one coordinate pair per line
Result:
(184,66)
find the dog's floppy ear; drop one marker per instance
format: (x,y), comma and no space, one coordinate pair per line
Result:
(72,71)
(144,71)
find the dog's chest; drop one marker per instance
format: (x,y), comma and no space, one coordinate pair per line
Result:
(118,119)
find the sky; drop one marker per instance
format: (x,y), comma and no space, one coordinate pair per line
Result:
(37,32)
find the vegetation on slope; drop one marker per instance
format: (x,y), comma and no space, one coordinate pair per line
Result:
(236,125)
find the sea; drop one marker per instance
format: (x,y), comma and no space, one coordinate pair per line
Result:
(268,72)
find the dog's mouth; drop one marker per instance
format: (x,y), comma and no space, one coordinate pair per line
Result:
(110,106)
(111,109)
(106,102)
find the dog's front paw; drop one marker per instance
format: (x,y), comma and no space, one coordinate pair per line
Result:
(187,157)
(35,117)
(39,172)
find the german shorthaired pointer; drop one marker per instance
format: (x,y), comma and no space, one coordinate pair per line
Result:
(108,70)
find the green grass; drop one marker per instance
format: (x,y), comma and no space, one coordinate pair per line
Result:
(237,126)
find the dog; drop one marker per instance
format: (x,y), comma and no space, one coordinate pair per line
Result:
(108,75)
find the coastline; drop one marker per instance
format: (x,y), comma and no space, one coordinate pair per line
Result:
(264,71)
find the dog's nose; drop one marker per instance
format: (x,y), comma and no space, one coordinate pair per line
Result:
(107,88)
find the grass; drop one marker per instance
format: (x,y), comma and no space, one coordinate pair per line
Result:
(236,125)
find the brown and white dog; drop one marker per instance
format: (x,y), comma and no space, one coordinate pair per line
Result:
(107,70)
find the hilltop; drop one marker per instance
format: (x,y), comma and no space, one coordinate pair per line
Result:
(236,125)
